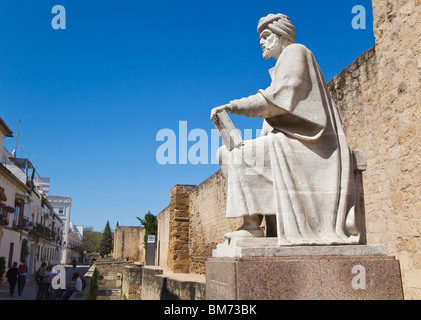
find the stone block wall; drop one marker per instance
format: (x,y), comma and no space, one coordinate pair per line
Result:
(163,221)
(105,267)
(159,286)
(397,30)
(355,93)
(178,247)
(208,222)
(128,241)
(132,282)
(379,99)
(192,225)
(151,283)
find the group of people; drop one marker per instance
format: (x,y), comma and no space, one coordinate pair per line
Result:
(17,275)
(43,278)
(46,291)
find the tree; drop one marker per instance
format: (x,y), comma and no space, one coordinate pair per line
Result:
(150,225)
(91,240)
(106,245)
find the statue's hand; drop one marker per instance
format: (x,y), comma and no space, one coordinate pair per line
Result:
(226,107)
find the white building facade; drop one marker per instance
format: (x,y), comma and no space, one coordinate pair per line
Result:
(29,227)
(72,236)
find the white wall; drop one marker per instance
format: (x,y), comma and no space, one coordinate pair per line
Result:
(1,146)
(58,203)
(7,238)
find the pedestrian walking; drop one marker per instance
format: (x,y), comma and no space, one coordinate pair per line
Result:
(12,277)
(22,277)
(41,280)
(48,290)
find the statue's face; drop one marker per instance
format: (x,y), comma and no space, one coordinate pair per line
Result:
(269,42)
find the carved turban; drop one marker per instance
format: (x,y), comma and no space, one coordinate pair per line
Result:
(279,24)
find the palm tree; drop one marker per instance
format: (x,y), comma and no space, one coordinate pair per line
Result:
(150,225)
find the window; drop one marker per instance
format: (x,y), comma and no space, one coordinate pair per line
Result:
(9,261)
(24,251)
(18,210)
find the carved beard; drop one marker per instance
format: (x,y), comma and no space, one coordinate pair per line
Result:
(268,51)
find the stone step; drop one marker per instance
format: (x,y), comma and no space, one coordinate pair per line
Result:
(109,292)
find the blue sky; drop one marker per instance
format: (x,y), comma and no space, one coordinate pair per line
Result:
(94,96)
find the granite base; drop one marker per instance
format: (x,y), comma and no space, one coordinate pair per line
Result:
(268,247)
(304,278)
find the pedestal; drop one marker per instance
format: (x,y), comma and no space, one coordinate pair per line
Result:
(313,273)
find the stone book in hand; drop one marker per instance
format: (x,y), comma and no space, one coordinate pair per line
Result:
(229,134)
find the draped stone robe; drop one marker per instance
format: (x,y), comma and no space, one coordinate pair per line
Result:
(301,168)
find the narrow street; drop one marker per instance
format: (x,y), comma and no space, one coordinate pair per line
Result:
(30,291)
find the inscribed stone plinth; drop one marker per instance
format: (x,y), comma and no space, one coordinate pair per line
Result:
(304,278)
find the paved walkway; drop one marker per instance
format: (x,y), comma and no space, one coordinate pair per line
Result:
(179,276)
(30,290)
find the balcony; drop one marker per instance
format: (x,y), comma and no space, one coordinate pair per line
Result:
(23,169)
(4,214)
(22,223)
(43,231)
(4,217)
(47,233)
(39,229)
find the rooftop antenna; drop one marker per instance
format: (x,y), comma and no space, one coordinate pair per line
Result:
(17,137)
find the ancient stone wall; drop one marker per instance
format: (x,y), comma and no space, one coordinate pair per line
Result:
(159,286)
(108,266)
(178,247)
(163,221)
(152,283)
(397,30)
(128,241)
(208,222)
(355,93)
(192,225)
(132,282)
(379,100)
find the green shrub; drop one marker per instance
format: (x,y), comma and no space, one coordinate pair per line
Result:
(93,289)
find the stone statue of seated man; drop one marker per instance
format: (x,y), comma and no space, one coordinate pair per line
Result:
(305,184)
